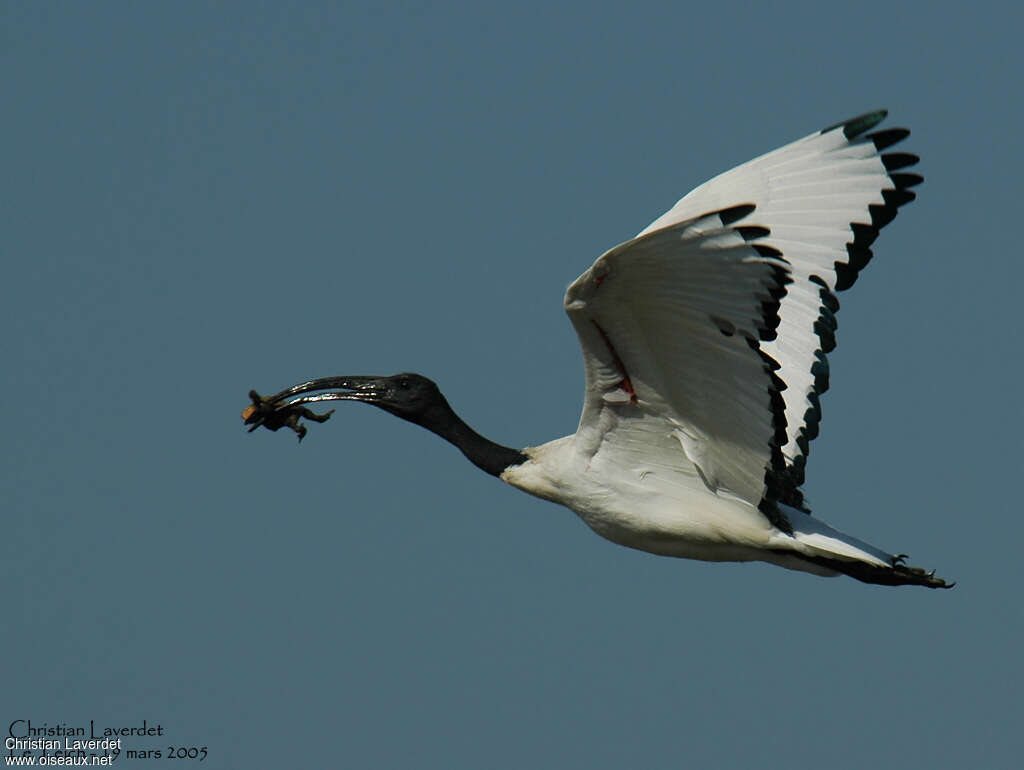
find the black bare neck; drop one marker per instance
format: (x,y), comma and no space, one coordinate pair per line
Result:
(482,452)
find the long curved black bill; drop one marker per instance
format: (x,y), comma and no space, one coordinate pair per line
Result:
(285,409)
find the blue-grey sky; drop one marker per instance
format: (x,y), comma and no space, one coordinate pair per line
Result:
(198,199)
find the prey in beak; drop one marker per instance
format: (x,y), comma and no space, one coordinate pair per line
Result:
(285,409)
(410,396)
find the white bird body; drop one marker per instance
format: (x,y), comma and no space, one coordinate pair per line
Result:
(626,487)
(704,347)
(651,506)
(671,451)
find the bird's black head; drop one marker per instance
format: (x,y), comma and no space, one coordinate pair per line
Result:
(410,396)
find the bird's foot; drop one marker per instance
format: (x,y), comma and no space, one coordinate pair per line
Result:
(917,575)
(273,416)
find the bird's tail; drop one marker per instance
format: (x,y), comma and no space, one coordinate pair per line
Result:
(895,574)
(818,544)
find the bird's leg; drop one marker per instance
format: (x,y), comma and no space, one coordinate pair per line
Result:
(274,415)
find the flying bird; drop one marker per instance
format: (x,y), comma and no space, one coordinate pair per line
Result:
(704,346)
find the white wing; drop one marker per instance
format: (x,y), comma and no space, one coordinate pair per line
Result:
(719,314)
(824,198)
(670,325)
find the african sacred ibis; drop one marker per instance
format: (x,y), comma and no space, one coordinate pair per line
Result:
(704,343)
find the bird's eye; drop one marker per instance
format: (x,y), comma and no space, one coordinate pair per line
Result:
(403,384)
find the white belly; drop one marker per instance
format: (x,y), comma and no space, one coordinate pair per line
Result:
(668,511)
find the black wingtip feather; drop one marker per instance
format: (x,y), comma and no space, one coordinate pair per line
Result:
(828,299)
(765,250)
(893,161)
(881,214)
(903,181)
(859,255)
(898,198)
(752,232)
(888,137)
(854,127)
(846,272)
(735,213)
(863,235)
(825,327)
